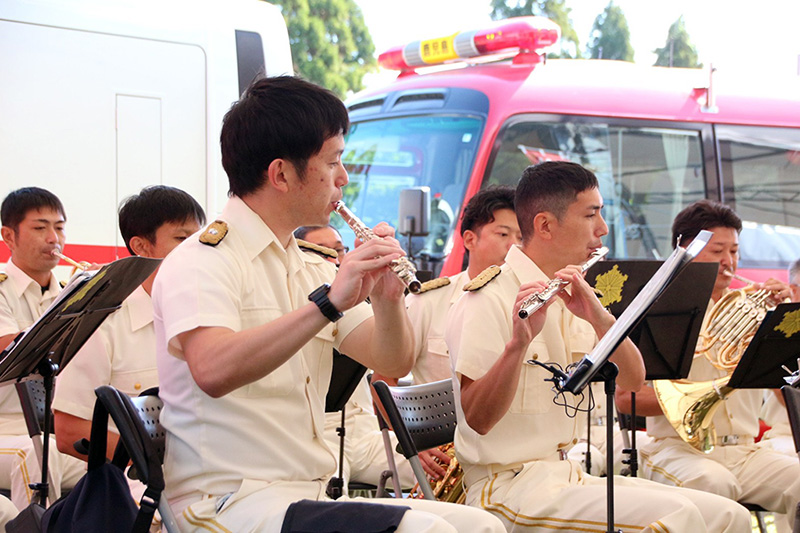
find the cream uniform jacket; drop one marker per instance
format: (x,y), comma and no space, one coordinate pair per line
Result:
(271,429)
(428,315)
(21,304)
(121,353)
(738,415)
(479,326)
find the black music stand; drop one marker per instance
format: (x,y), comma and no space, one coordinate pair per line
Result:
(53,340)
(345,377)
(773,352)
(667,334)
(596,365)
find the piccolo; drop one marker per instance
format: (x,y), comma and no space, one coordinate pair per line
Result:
(82,265)
(535,301)
(402,267)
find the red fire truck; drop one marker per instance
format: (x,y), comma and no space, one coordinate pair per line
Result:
(657,138)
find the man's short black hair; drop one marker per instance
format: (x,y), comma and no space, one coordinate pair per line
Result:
(142,214)
(481,207)
(277,118)
(17,204)
(703,214)
(549,187)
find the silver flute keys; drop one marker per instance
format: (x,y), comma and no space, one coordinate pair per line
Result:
(404,268)
(535,301)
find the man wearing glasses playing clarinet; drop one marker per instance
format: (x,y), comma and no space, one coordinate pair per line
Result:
(511,436)
(246,323)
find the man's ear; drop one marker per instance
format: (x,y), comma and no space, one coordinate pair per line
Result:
(470,238)
(140,246)
(544,223)
(275,175)
(8,237)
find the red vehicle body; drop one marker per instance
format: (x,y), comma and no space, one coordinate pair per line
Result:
(657,138)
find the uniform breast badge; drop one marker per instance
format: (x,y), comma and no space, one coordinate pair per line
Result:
(483,278)
(214,233)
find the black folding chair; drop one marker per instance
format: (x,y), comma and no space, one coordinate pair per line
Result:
(133,418)
(422,417)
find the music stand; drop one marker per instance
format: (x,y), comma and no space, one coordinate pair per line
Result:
(667,334)
(54,339)
(596,364)
(345,377)
(773,351)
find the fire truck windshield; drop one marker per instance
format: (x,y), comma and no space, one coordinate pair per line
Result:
(388,155)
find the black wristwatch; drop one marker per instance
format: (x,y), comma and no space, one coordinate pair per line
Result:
(320,297)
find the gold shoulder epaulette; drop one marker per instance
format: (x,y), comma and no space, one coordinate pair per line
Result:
(434,284)
(317,249)
(482,279)
(3,277)
(214,233)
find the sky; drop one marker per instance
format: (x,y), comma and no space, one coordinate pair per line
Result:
(730,34)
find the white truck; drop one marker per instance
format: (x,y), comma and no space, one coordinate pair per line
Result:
(100,98)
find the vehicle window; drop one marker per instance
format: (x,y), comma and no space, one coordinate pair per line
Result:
(385,156)
(761,173)
(647,174)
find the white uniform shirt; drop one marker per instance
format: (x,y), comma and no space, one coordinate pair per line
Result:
(121,353)
(21,304)
(479,326)
(738,415)
(272,428)
(428,315)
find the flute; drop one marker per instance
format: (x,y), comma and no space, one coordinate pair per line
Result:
(402,267)
(535,301)
(83,265)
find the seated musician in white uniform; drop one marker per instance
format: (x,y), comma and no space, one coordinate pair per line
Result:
(364,453)
(736,468)
(488,229)
(34,224)
(122,352)
(246,323)
(511,436)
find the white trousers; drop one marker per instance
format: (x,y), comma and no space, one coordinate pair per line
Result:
(548,495)
(261,506)
(19,467)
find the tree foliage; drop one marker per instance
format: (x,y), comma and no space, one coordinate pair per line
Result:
(331,44)
(679,50)
(555,10)
(610,37)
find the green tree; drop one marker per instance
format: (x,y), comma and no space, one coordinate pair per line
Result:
(679,50)
(610,37)
(555,10)
(331,44)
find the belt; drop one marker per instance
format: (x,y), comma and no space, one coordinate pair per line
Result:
(733,440)
(477,473)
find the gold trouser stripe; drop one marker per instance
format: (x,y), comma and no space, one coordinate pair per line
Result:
(520,519)
(23,467)
(660,470)
(208,524)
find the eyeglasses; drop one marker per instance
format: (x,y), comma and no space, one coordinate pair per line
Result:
(341,250)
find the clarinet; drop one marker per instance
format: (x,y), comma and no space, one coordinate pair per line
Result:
(402,267)
(535,301)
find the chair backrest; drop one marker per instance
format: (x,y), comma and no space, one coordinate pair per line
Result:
(32,398)
(425,413)
(148,407)
(792,397)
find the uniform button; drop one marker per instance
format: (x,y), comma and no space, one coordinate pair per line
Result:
(335,331)
(535,356)
(574,441)
(137,386)
(308,379)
